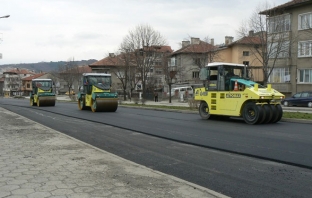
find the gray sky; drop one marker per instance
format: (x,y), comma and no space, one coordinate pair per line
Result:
(59,30)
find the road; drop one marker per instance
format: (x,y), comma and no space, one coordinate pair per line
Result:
(229,157)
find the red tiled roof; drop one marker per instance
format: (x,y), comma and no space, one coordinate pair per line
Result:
(247,40)
(290,4)
(118,60)
(196,48)
(33,77)
(159,48)
(84,69)
(108,61)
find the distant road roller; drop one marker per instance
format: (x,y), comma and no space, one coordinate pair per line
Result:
(96,93)
(227,91)
(42,93)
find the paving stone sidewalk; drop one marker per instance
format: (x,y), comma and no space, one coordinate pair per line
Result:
(38,162)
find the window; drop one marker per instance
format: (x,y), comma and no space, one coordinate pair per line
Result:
(28,85)
(279,75)
(158,71)
(305,48)
(279,24)
(305,21)
(279,50)
(195,74)
(196,61)
(246,63)
(245,53)
(305,75)
(173,61)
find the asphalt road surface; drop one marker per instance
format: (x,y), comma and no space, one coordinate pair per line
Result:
(229,157)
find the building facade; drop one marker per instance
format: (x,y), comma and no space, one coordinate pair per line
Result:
(293,69)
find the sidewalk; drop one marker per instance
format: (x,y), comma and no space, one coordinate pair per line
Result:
(38,162)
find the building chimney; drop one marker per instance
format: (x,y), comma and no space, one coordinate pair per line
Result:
(194,41)
(212,41)
(228,40)
(112,55)
(185,43)
(251,33)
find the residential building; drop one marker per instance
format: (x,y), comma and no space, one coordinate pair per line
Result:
(242,51)
(13,81)
(292,71)
(26,86)
(188,60)
(1,85)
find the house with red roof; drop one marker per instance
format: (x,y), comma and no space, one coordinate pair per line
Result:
(188,60)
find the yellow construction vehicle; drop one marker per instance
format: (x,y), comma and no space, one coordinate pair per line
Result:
(96,93)
(42,93)
(227,91)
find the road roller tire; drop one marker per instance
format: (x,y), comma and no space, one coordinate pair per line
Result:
(279,113)
(81,104)
(268,111)
(38,102)
(104,105)
(252,113)
(93,106)
(204,111)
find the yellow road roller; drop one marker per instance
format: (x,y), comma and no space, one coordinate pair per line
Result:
(95,93)
(42,93)
(228,91)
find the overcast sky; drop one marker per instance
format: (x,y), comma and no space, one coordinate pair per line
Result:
(59,30)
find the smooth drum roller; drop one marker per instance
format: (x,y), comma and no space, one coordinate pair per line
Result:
(104,104)
(46,101)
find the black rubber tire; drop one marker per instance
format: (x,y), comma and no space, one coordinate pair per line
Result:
(268,113)
(82,104)
(279,113)
(252,113)
(204,111)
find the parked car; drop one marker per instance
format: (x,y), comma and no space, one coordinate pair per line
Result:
(182,90)
(303,99)
(71,93)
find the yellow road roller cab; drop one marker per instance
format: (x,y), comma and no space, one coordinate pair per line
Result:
(95,93)
(42,93)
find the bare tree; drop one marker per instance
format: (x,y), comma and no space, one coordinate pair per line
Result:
(270,39)
(69,72)
(169,72)
(142,42)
